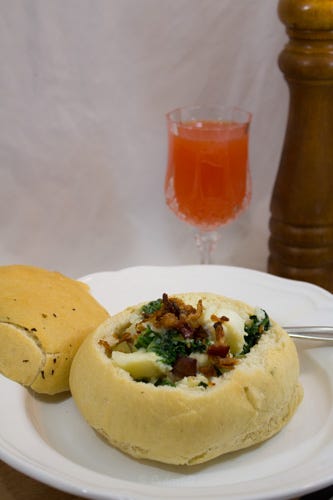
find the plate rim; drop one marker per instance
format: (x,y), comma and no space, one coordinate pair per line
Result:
(47,477)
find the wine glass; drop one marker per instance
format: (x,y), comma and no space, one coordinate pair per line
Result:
(207,182)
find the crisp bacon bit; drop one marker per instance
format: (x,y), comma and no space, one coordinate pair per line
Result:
(184,309)
(193,317)
(185,367)
(140,327)
(218,350)
(219,333)
(175,314)
(208,370)
(186,331)
(122,336)
(170,305)
(170,320)
(107,347)
(227,362)
(216,319)
(200,333)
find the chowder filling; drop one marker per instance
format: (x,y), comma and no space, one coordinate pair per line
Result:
(176,344)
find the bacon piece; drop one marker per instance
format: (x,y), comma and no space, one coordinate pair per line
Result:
(218,350)
(227,362)
(185,367)
(175,314)
(200,333)
(216,319)
(194,316)
(208,370)
(169,320)
(186,331)
(123,335)
(107,347)
(219,333)
(170,305)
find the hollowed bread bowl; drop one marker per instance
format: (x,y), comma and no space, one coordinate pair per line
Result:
(153,413)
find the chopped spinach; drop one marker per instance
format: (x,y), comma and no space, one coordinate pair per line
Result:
(164,381)
(152,306)
(197,345)
(203,384)
(254,329)
(145,338)
(169,345)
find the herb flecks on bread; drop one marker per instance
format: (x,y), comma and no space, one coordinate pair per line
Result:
(170,341)
(44,317)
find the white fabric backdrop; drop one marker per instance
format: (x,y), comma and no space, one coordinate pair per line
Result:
(84,86)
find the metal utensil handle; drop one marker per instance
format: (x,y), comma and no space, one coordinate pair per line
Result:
(311,332)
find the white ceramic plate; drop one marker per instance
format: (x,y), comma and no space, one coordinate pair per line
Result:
(49,440)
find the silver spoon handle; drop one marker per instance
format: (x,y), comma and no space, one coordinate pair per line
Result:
(311,332)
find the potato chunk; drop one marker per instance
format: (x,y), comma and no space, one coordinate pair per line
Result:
(140,364)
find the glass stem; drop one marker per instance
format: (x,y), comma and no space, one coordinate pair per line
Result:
(206,242)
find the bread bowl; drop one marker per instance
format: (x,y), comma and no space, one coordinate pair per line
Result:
(44,316)
(240,387)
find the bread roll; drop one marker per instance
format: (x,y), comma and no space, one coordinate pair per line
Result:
(230,395)
(44,316)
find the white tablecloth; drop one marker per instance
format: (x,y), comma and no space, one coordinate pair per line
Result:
(84,86)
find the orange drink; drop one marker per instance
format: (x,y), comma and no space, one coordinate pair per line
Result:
(207,182)
(207,176)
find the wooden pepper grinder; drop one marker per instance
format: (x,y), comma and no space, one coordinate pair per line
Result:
(301,224)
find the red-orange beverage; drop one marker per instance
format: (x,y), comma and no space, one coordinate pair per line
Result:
(207,180)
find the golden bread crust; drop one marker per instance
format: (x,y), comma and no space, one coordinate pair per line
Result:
(44,316)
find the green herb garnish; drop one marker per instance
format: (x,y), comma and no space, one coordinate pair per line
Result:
(152,306)
(164,381)
(254,329)
(169,345)
(203,384)
(145,338)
